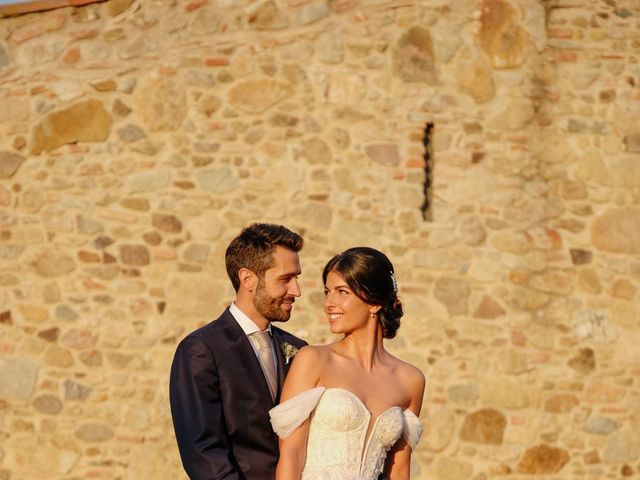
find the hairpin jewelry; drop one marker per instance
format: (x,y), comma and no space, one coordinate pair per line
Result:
(394,281)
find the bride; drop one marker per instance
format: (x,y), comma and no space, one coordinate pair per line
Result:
(349,409)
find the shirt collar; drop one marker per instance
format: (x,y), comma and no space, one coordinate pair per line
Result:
(247,325)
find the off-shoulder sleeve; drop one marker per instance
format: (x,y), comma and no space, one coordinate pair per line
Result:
(412,428)
(289,415)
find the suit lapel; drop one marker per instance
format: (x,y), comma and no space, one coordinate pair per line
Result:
(281,367)
(241,347)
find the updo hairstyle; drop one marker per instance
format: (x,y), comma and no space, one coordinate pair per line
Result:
(369,274)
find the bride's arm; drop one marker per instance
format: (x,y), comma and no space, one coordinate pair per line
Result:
(303,375)
(398,464)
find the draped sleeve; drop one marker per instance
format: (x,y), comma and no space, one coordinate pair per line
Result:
(411,428)
(289,415)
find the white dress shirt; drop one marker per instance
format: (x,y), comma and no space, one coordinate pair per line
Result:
(248,327)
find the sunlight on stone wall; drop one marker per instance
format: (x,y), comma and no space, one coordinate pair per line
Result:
(138,137)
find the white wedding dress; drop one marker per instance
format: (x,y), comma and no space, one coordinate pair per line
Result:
(339,447)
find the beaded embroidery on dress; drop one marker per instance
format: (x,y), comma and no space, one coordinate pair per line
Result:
(339,447)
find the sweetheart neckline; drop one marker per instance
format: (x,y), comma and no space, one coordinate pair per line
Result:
(372,423)
(364,405)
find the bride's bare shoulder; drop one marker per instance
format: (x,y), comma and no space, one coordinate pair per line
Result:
(412,381)
(409,374)
(312,353)
(318,357)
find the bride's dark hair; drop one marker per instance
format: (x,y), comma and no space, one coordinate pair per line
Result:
(370,275)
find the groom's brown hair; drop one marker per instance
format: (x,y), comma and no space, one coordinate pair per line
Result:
(252,249)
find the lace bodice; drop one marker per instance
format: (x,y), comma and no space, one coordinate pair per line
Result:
(342,444)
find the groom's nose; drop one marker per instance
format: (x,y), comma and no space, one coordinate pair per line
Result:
(294,288)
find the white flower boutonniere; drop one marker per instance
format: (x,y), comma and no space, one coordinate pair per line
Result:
(289,352)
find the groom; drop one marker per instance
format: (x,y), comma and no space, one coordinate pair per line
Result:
(226,375)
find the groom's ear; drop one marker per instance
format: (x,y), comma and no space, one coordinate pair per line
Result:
(248,279)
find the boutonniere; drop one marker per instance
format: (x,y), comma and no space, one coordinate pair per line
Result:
(289,352)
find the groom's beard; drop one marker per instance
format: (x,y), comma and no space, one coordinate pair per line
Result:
(271,307)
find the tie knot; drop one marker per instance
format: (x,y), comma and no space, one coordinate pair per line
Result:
(263,339)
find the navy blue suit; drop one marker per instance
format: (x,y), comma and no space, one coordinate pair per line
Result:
(220,402)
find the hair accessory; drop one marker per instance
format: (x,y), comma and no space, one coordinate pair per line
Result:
(394,281)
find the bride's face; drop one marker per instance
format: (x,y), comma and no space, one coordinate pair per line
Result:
(346,312)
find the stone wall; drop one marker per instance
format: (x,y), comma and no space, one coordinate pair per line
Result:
(138,137)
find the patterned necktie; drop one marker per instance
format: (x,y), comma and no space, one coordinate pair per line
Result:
(262,340)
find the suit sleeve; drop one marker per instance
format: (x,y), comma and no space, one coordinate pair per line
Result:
(196,408)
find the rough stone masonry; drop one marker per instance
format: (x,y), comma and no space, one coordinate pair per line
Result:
(138,137)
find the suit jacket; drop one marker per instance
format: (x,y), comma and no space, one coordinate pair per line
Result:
(220,402)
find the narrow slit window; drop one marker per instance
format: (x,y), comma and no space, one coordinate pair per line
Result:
(427,141)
